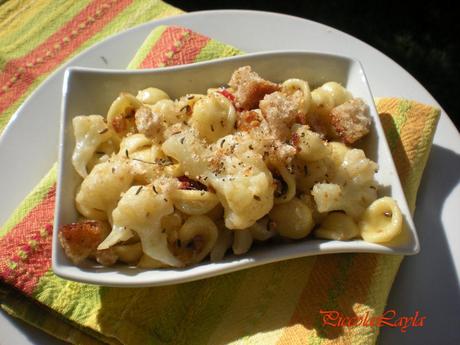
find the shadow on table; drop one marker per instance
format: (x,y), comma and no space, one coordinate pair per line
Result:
(428,282)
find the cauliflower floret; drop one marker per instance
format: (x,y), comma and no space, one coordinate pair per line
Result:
(309,144)
(242,181)
(328,197)
(352,188)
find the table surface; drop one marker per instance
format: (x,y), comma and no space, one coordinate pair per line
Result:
(427,282)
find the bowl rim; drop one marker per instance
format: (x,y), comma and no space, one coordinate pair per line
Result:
(121,279)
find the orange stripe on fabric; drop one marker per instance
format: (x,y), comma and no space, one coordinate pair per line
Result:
(315,296)
(19,74)
(176,46)
(32,236)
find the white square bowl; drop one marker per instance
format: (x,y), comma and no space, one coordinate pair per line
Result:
(91,91)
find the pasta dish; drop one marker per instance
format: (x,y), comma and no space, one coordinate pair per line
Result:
(169,183)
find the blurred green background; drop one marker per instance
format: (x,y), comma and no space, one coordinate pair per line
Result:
(423,38)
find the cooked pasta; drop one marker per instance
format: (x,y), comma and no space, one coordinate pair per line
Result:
(382,221)
(170,182)
(337,226)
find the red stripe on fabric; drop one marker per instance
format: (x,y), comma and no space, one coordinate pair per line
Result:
(28,271)
(18,74)
(176,46)
(189,50)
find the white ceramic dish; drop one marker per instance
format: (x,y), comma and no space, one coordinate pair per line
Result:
(436,217)
(91,91)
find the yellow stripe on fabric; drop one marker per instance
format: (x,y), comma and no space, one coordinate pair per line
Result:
(281,301)
(146,47)
(32,200)
(12,12)
(122,313)
(138,12)
(385,107)
(382,280)
(421,150)
(25,38)
(208,307)
(215,50)
(41,317)
(24,15)
(264,302)
(65,296)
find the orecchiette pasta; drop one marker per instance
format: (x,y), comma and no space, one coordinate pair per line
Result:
(169,182)
(337,226)
(242,241)
(151,95)
(194,240)
(292,219)
(328,96)
(382,221)
(213,116)
(194,202)
(292,85)
(120,117)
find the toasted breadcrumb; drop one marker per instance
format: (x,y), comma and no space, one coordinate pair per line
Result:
(281,112)
(250,88)
(147,122)
(80,240)
(351,120)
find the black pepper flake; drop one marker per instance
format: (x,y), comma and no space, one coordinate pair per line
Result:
(126,154)
(257,197)
(222,123)
(164,162)
(113,170)
(139,190)
(142,161)
(166,200)
(190,97)
(100,152)
(222,143)
(212,128)
(154,189)
(182,140)
(103,130)
(251,147)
